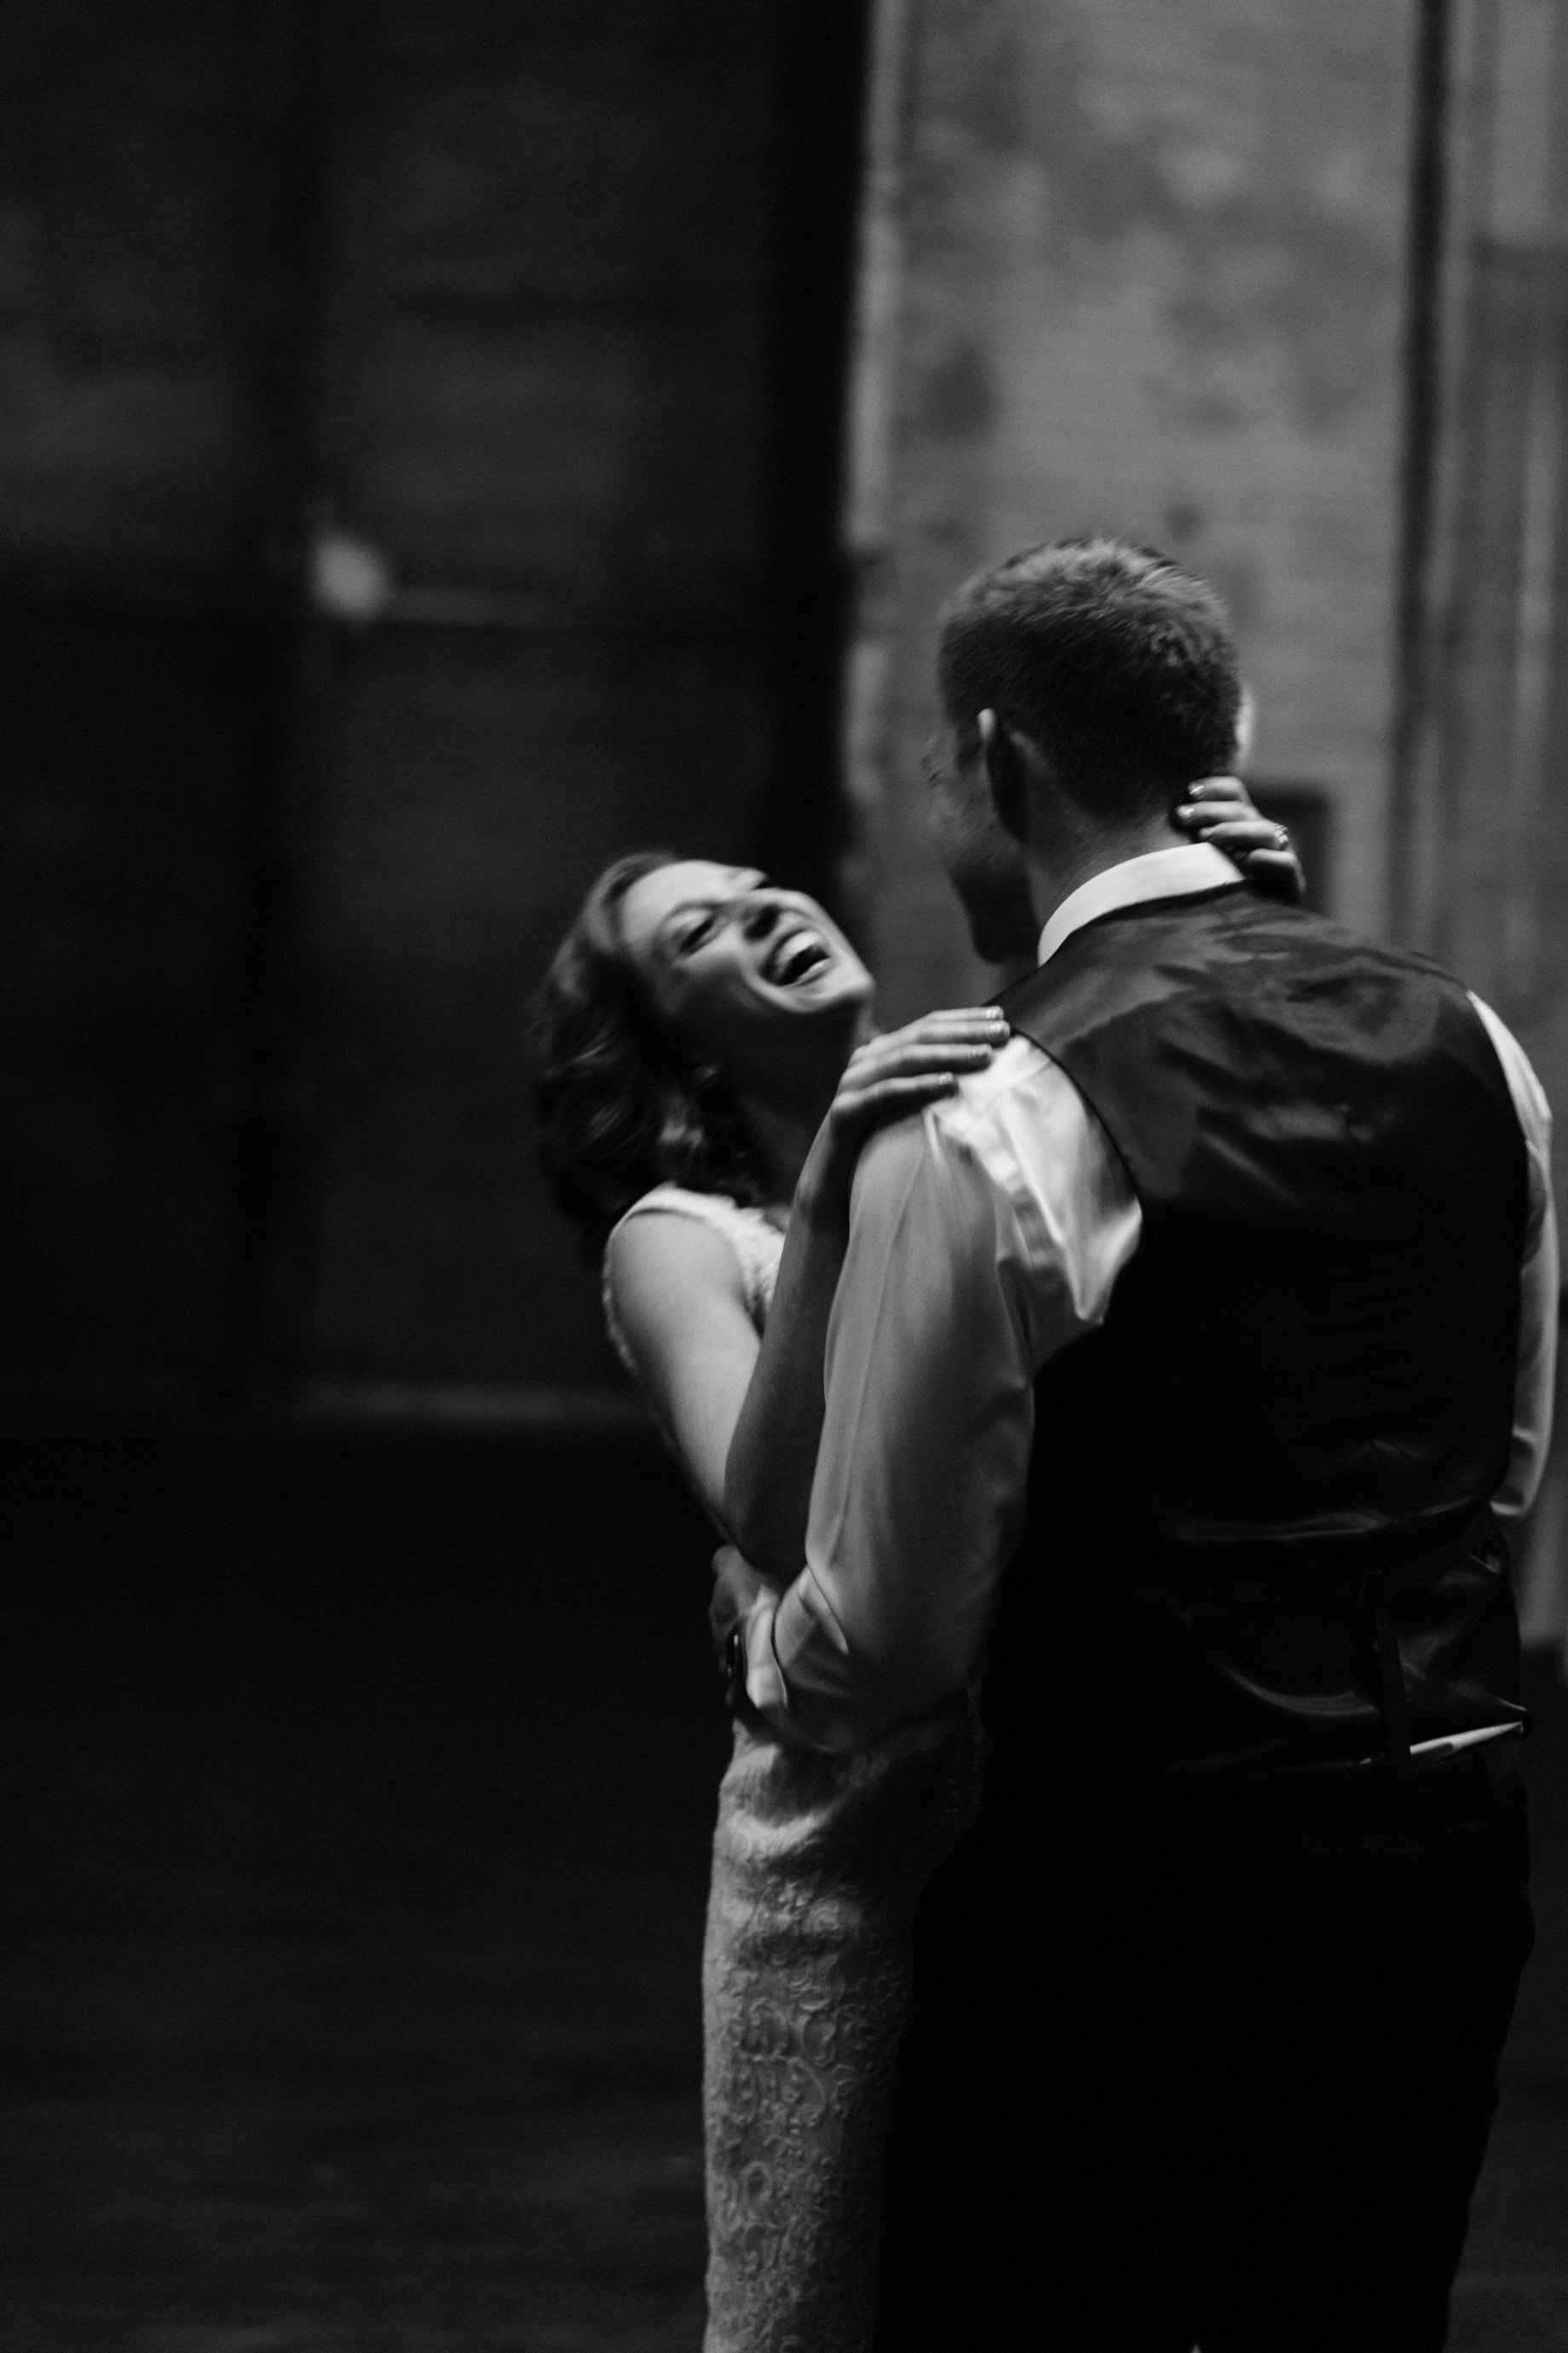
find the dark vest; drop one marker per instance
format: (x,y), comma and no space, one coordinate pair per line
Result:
(1303,1389)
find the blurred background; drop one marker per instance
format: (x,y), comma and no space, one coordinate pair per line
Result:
(443,446)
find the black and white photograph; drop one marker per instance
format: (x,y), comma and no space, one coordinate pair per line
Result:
(783,965)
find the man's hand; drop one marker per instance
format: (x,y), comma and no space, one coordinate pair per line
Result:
(736,1585)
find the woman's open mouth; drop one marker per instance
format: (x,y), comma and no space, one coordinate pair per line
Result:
(795,956)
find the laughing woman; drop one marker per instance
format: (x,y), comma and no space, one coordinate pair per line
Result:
(708,1076)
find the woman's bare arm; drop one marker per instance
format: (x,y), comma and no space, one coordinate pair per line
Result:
(772,1451)
(744,1413)
(681,1304)
(772,1446)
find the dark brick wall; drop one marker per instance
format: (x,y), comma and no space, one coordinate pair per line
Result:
(487,287)
(542,383)
(133,155)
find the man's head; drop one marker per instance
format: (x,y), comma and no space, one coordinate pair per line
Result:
(1110,678)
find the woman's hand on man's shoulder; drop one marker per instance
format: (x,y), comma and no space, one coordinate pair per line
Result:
(890,1078)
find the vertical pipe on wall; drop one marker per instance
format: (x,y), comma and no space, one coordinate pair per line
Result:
(1420,425)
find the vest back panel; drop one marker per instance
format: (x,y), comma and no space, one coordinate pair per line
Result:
(1307,1369)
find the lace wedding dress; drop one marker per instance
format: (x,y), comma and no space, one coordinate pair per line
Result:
(817,1862)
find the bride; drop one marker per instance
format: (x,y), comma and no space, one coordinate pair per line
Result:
(708,1076)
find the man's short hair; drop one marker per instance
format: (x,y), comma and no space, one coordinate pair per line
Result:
(1117,664)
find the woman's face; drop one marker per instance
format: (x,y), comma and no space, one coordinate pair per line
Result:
(753,977)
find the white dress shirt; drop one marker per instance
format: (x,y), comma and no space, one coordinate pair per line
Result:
(984,1237)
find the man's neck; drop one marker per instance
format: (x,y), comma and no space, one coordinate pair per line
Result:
(1055,871)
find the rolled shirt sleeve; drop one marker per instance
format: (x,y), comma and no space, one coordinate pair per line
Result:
(983,1236)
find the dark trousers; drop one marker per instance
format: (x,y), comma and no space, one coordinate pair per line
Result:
(1237,2097)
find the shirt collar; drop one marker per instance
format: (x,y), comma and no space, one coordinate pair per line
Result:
(1190,867)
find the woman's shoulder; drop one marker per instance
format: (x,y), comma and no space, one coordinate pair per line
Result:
(717,1211)
(752,1243)
(683,1201)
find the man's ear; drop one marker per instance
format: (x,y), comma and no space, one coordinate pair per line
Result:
(1004,766)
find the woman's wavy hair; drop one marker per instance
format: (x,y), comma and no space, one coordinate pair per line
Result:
(622,1102)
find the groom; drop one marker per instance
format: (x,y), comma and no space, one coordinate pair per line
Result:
(1182,1370)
